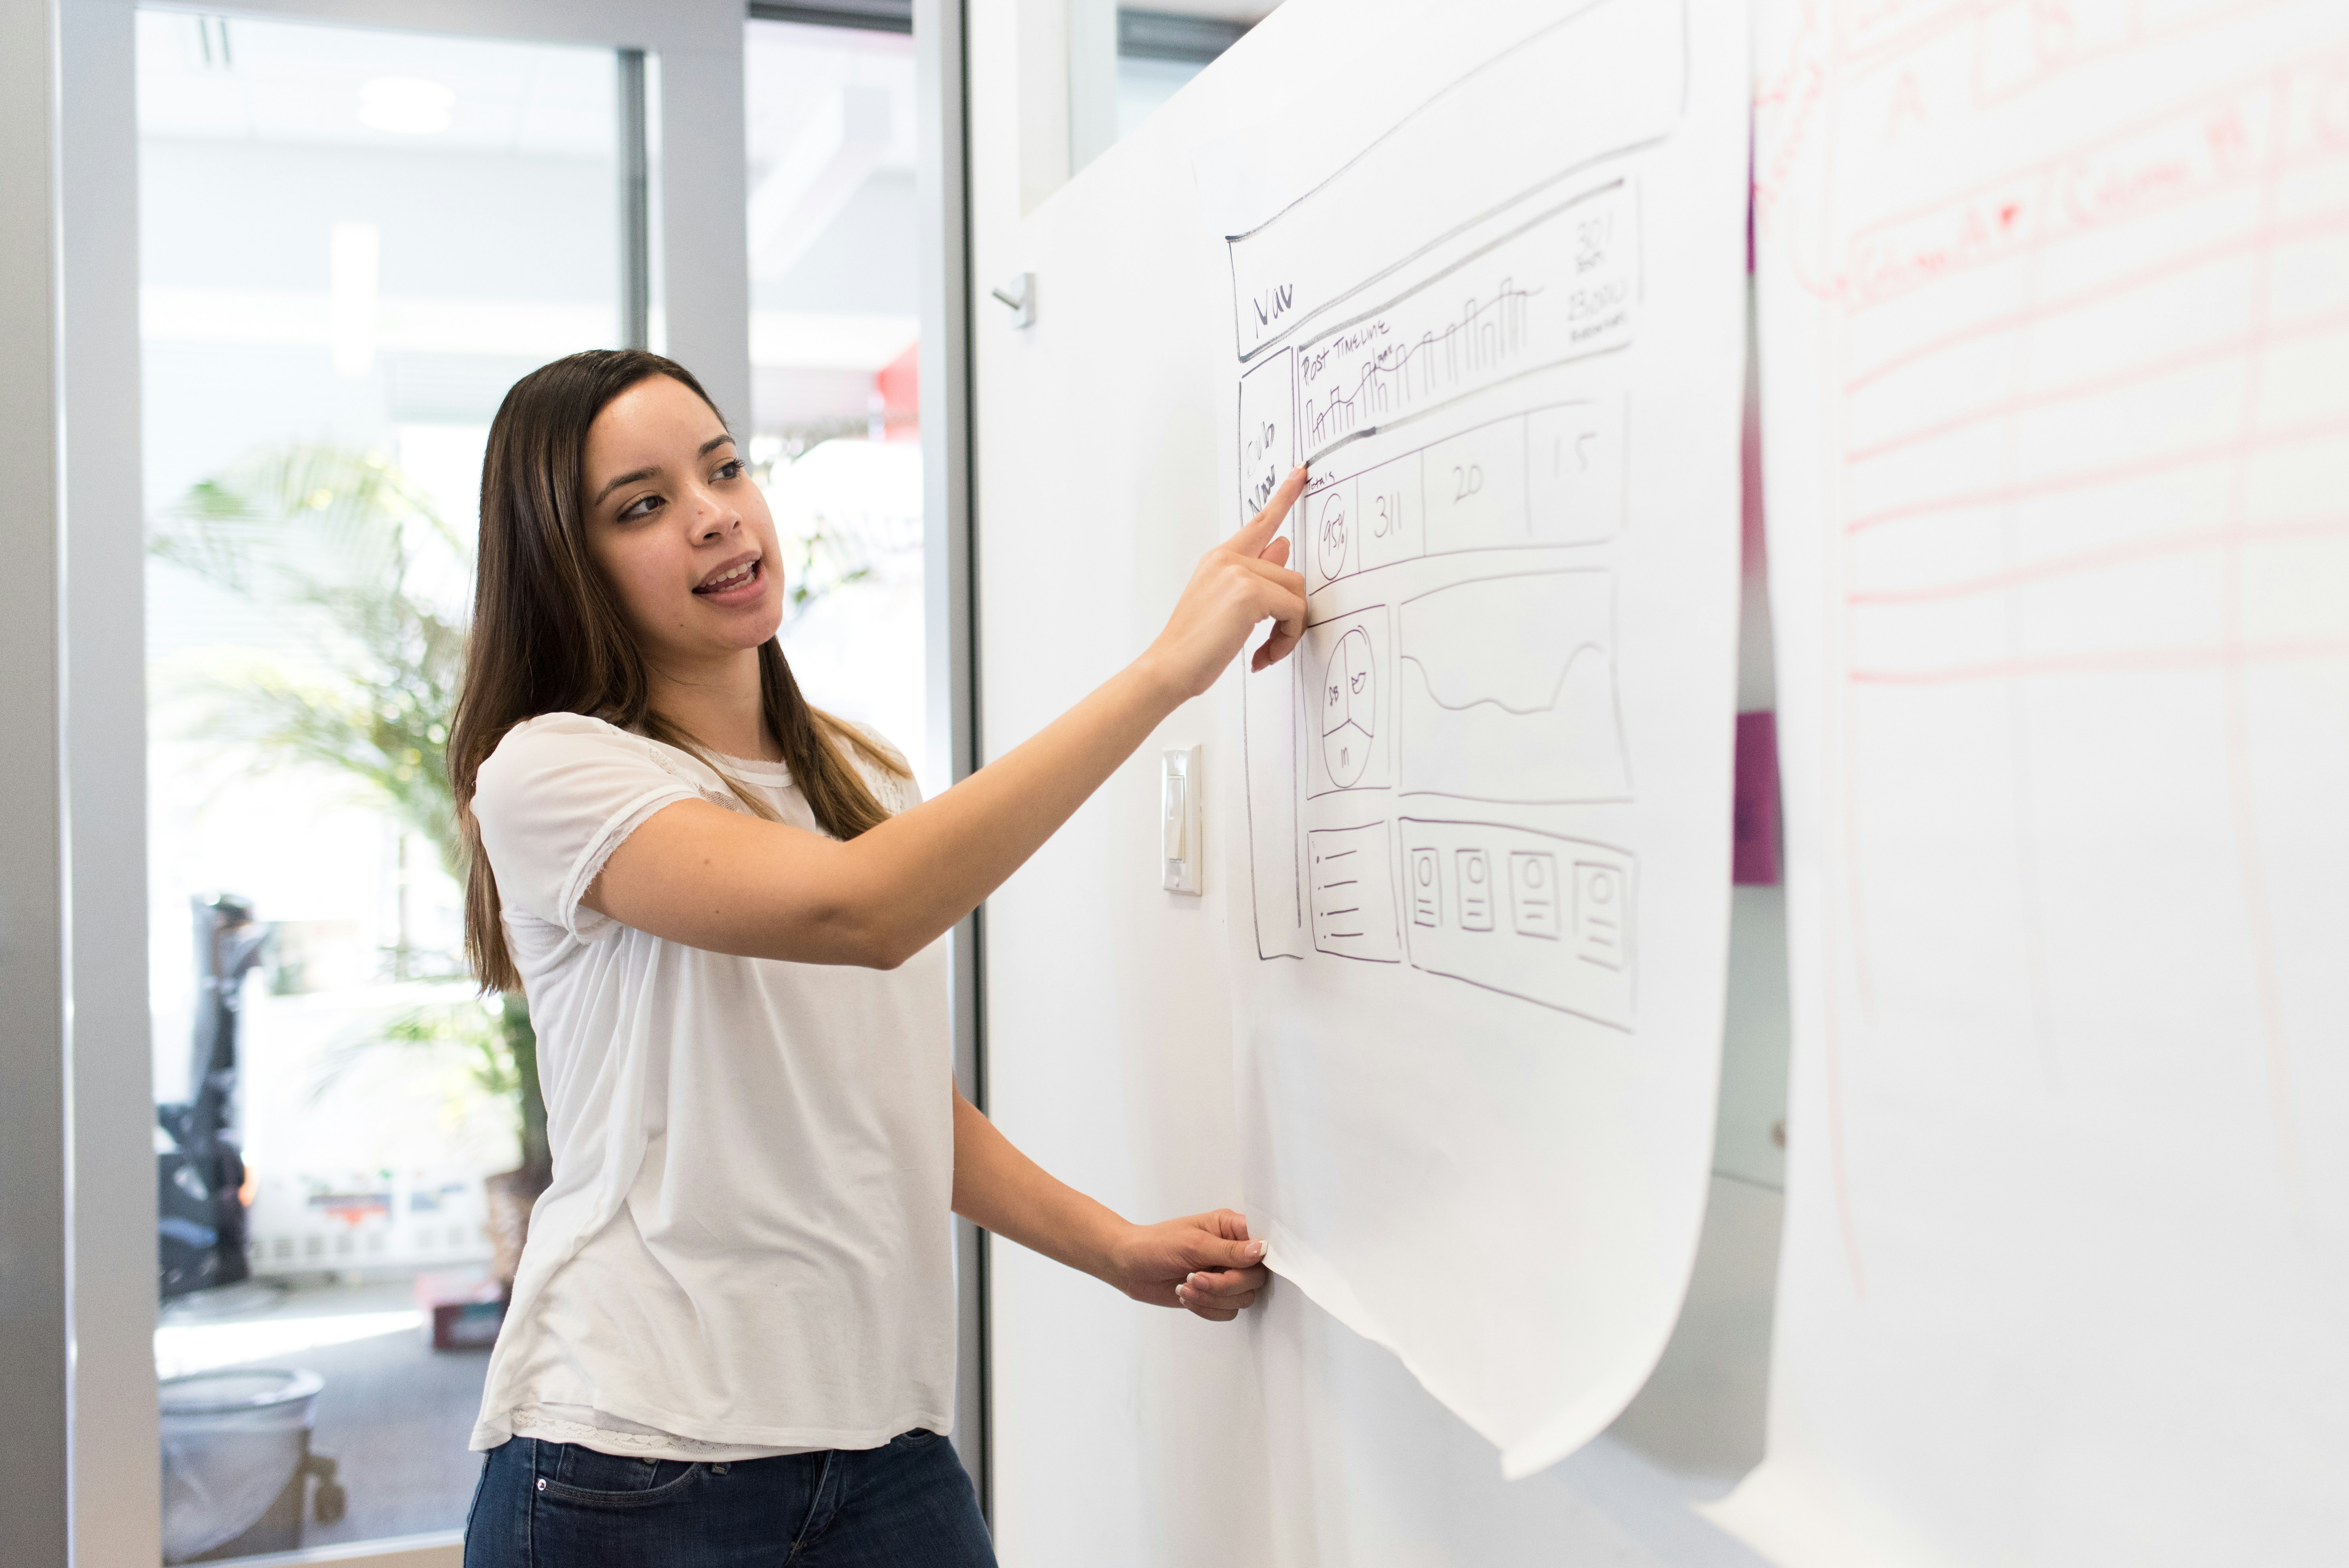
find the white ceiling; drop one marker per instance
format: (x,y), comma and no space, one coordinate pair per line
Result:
(308,83)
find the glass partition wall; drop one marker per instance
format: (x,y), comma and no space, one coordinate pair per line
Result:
(352,243)
(834,304)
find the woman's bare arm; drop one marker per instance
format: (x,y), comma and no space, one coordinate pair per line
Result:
(1203,1262)
(697,874)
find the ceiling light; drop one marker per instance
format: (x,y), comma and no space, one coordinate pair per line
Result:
(407,105)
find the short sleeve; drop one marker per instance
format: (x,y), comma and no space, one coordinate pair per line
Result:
(897,791)
(553,800)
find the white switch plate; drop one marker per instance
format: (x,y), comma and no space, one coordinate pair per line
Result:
(1178,819)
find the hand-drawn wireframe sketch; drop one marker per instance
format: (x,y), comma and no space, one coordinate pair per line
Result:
(1490,289)
(1531,717)
(1353,880)
(2054,302)
(1531,915)
(1351,744)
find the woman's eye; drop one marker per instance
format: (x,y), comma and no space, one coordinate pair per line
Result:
(642,507)
(732,468)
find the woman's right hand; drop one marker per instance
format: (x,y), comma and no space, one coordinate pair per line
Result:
(1242,582)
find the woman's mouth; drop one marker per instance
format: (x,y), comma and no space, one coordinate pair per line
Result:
(732,580)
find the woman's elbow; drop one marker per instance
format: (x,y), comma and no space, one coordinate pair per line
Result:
(870,941)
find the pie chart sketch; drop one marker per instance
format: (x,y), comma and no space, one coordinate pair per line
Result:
(1349,708)
(1331,535)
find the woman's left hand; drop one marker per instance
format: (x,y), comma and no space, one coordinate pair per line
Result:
(1204,1262)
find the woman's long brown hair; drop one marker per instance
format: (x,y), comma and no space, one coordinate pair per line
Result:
(549,636)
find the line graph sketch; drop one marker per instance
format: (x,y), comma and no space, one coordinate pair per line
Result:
(1533,720)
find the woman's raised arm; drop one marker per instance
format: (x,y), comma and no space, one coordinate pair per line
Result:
(701,874)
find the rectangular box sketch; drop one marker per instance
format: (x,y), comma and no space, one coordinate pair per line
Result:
(1268,430)
(1540,917)
(1506,691)
(1349,739)
(1599,81)
(1331,551)
(1269,739)
(1392,505)
(1351,875)
(1574,472)
(1562,287)
(1477,488)
(1553,475)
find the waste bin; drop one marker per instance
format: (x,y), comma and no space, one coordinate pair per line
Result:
(234,1442)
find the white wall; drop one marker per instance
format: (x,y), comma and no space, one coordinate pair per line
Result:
(1125,1435)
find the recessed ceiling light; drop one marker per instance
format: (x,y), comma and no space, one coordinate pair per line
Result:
(407,105)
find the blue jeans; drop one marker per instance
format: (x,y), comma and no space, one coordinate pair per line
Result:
(908,1504)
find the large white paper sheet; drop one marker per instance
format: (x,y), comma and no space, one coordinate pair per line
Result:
(1487,279)
(2055,357)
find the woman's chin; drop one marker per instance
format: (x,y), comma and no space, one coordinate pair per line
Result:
(744,625)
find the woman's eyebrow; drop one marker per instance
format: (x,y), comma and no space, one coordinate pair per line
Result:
(627,478)
(708,446)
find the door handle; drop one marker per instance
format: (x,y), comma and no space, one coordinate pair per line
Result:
(1019,294)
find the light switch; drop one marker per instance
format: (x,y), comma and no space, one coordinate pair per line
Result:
(1178,819)
(1178,794)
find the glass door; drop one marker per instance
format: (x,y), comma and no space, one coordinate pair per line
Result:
(353,242)
(834,330)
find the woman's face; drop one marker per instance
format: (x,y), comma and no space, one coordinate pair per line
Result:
(681,533)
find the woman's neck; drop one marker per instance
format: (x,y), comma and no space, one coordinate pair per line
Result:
(719,704)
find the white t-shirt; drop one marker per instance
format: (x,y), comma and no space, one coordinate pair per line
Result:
(746,1249)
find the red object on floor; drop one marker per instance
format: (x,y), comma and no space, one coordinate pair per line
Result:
(466,1309)
(1753,853)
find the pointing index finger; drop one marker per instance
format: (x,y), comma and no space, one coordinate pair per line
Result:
(1252,538)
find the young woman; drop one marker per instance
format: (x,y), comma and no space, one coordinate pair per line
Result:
(732,1338)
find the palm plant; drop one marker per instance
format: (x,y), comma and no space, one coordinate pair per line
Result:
(345,548)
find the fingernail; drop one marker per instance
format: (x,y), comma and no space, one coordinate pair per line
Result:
(1256,1249)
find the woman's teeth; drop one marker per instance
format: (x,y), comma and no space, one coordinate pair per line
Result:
(735,579)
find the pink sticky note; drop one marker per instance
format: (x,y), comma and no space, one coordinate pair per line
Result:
(1754,855)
